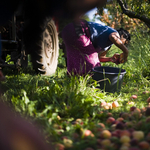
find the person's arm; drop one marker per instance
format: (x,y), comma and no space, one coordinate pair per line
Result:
(115,38)
(103,58)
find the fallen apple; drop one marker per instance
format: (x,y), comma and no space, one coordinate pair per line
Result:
(110,120)
(144,145)
(105,142)
(88,133)
(125,139)
(125,132)
(105,134)
(132,108)
(115,104)
(148,100)
(59,146)
(133,97)
(139,135)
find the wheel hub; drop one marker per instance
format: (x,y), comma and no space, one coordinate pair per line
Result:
(48,45)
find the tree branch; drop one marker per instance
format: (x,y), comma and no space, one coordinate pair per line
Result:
(132,14)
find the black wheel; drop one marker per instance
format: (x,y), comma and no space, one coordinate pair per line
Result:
(45,59)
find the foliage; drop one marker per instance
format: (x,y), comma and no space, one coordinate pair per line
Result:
(130,17)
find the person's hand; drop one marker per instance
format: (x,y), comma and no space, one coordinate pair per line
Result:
(115,58)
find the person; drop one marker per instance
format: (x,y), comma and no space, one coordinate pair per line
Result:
(87,43)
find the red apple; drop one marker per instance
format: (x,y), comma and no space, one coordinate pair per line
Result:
(60,146)
(101,125)
(88,133)
(103,103)
(132,108)
(133,97)
(144,145)
(148,100)
(120,125)
(110,120)
(120,119)
(109,114)
(125,132)
(116,133)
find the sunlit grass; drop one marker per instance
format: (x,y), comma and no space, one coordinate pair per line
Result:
(70,97)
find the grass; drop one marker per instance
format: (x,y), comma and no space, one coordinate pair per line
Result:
(57,101)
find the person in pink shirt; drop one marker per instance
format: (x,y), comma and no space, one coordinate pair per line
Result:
(86,45)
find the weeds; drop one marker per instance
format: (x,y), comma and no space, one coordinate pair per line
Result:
(61,99)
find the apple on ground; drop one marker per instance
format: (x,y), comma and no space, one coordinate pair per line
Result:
(139,135)
(148,100)
(120,125)
(133,97)
(100,126)
(120,119)
(125,132)
(132,108)
(125,139)
(60,146)
(105,142)
(110,120)
(103,103)
(68,143)
(109,105)
(116,133)
(109,114)
(105,134)
(144,145)
(88,133)
(115,104)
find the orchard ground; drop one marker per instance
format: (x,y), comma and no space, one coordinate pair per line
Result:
(76,115)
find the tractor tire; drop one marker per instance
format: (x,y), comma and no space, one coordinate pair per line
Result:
(45,59)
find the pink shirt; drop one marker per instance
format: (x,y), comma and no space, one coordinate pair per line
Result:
(81,54)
